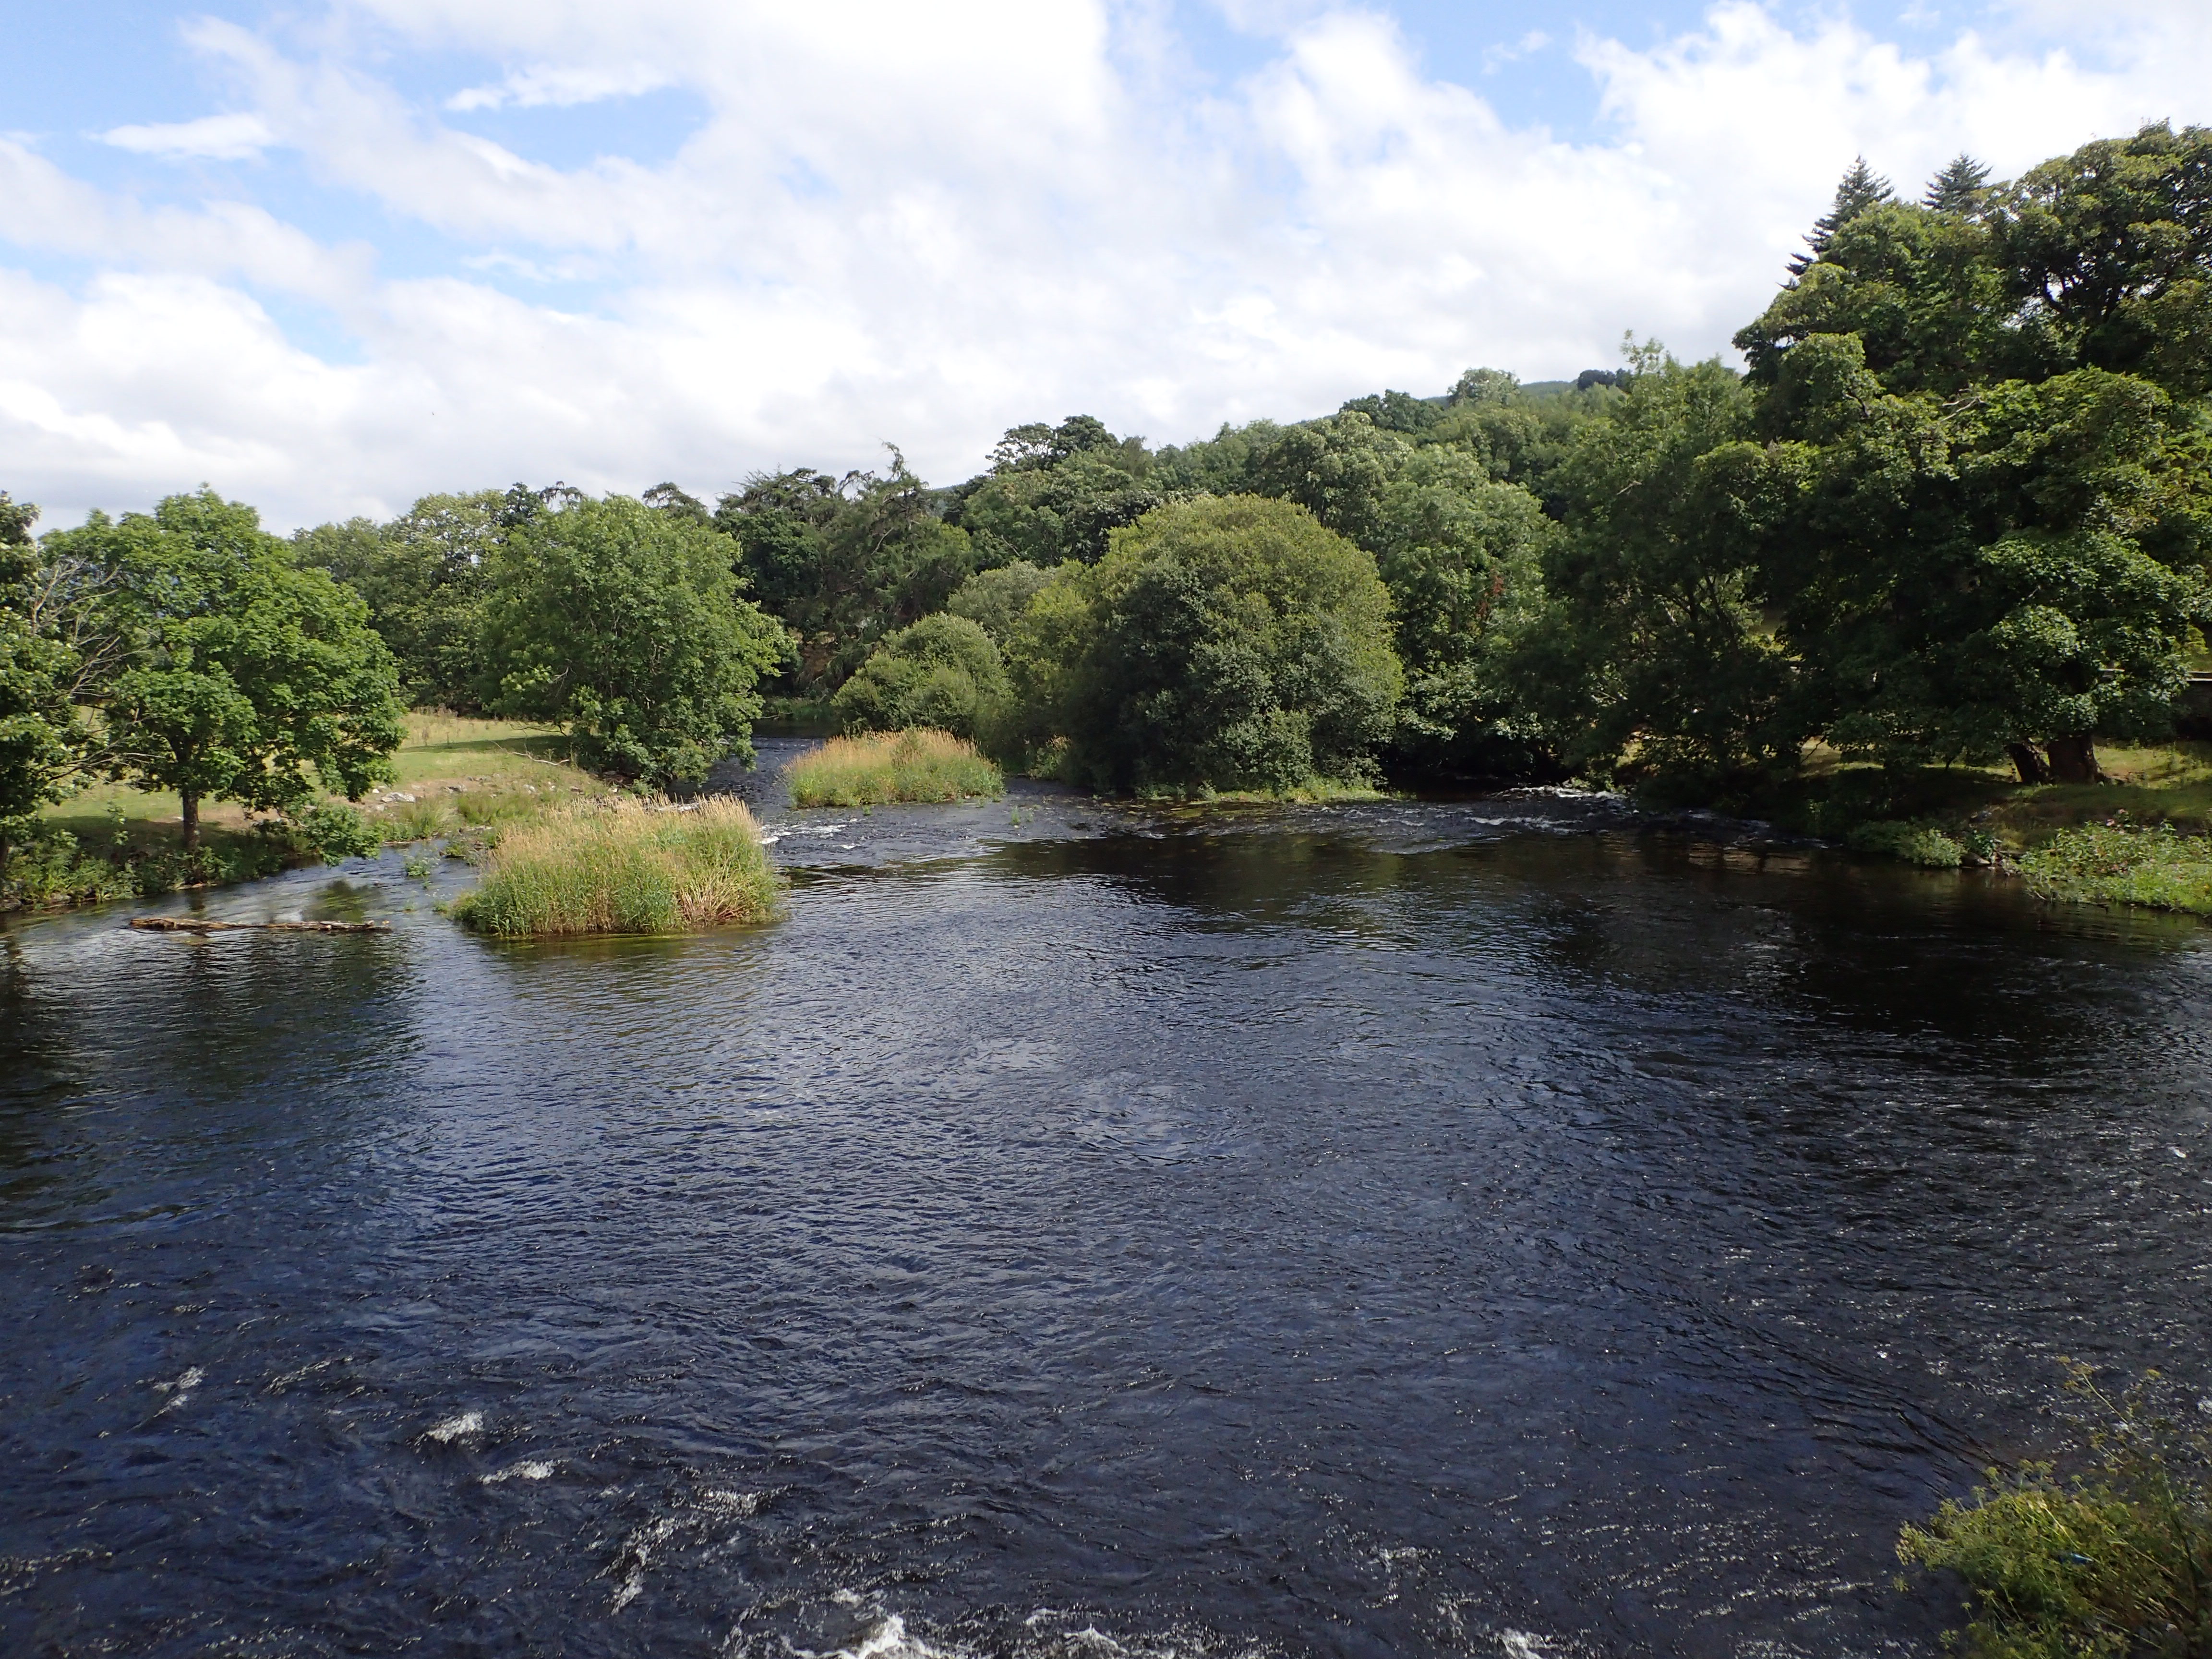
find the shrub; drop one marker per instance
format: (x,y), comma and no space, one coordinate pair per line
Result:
(624,867)
(332,832)
(1224,643)
(2116,1561)
(917,765)
(944,671)
(2124,864)
(1923,844)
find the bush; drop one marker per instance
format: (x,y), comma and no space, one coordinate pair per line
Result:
(1226,643)
(2124,864)
(1923,844)
(624,867)
(2116,1561)
(944,671)
(916,765)
(330,832)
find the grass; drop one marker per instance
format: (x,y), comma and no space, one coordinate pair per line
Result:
(1312,790)
(2121,863)
(458,777)
(2114,1561)
(623,866)
(879,767)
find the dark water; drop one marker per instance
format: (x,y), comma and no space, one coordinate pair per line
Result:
(1466,1228)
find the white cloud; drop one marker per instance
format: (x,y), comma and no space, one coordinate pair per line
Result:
(212,137)
(549,83)
(927,224)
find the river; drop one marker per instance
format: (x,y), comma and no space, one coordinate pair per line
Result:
(1480,1227)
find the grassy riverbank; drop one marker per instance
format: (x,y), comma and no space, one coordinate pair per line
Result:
(623,866)
(456,775)
(880,768)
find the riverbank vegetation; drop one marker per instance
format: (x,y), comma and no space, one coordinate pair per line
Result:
(624,865)
(1925,564)
(878,769)
(2114,1559)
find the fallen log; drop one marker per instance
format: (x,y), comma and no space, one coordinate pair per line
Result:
(193,924)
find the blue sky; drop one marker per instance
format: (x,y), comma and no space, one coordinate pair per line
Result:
(332,254)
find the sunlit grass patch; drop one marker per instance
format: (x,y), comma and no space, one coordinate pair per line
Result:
(882,767)
(623,866)
(2124,864)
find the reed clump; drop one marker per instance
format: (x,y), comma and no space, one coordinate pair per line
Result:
(625,867)
(878,768)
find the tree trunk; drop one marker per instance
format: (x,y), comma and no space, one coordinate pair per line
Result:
(192,799)
(2074,760)
(2027,761)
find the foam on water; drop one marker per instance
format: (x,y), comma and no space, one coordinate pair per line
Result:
(457,1427)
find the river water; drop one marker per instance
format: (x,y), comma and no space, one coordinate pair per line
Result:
(1478,1227)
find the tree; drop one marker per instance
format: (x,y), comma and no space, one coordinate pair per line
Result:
(625,626)
(1988,429)
(1651,640)
(995,598)
(1461,555)
(41,739)
(1964,579)
(943,671)
(423,576)
(1860,189)
(1225,642)
(1961,188)
(246,672)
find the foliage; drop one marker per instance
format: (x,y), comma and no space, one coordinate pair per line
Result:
(994,599)
(1652,643)
(241,672)
(2120,863)
(844,561)
(624,867)
(942,672)
(40,737)
(1054,492)
(1223,643)
(914,765)
(423,576)
(1924,844)
(2116,1561)
(1462,556)
(623,625)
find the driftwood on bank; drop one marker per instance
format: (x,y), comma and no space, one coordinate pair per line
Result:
(193,924)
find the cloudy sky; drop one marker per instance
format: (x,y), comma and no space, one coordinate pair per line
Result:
(330,254)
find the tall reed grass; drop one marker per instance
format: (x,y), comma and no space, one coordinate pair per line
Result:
(621,866)
(882,767)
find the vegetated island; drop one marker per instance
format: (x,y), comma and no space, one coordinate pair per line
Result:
(1929,575)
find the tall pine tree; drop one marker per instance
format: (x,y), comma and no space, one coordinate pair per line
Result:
(1961,188)
(1861,188)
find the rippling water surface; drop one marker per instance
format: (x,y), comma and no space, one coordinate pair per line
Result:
(1465,1228)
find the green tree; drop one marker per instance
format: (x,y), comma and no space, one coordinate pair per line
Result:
(1056,493)
(625,626)
(1461,555)
(943,671)
(1860,190)
(1987,422)
(245,677)
(41,737)
(1652,639)
(996,599)
(423,576)
(1224,642)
